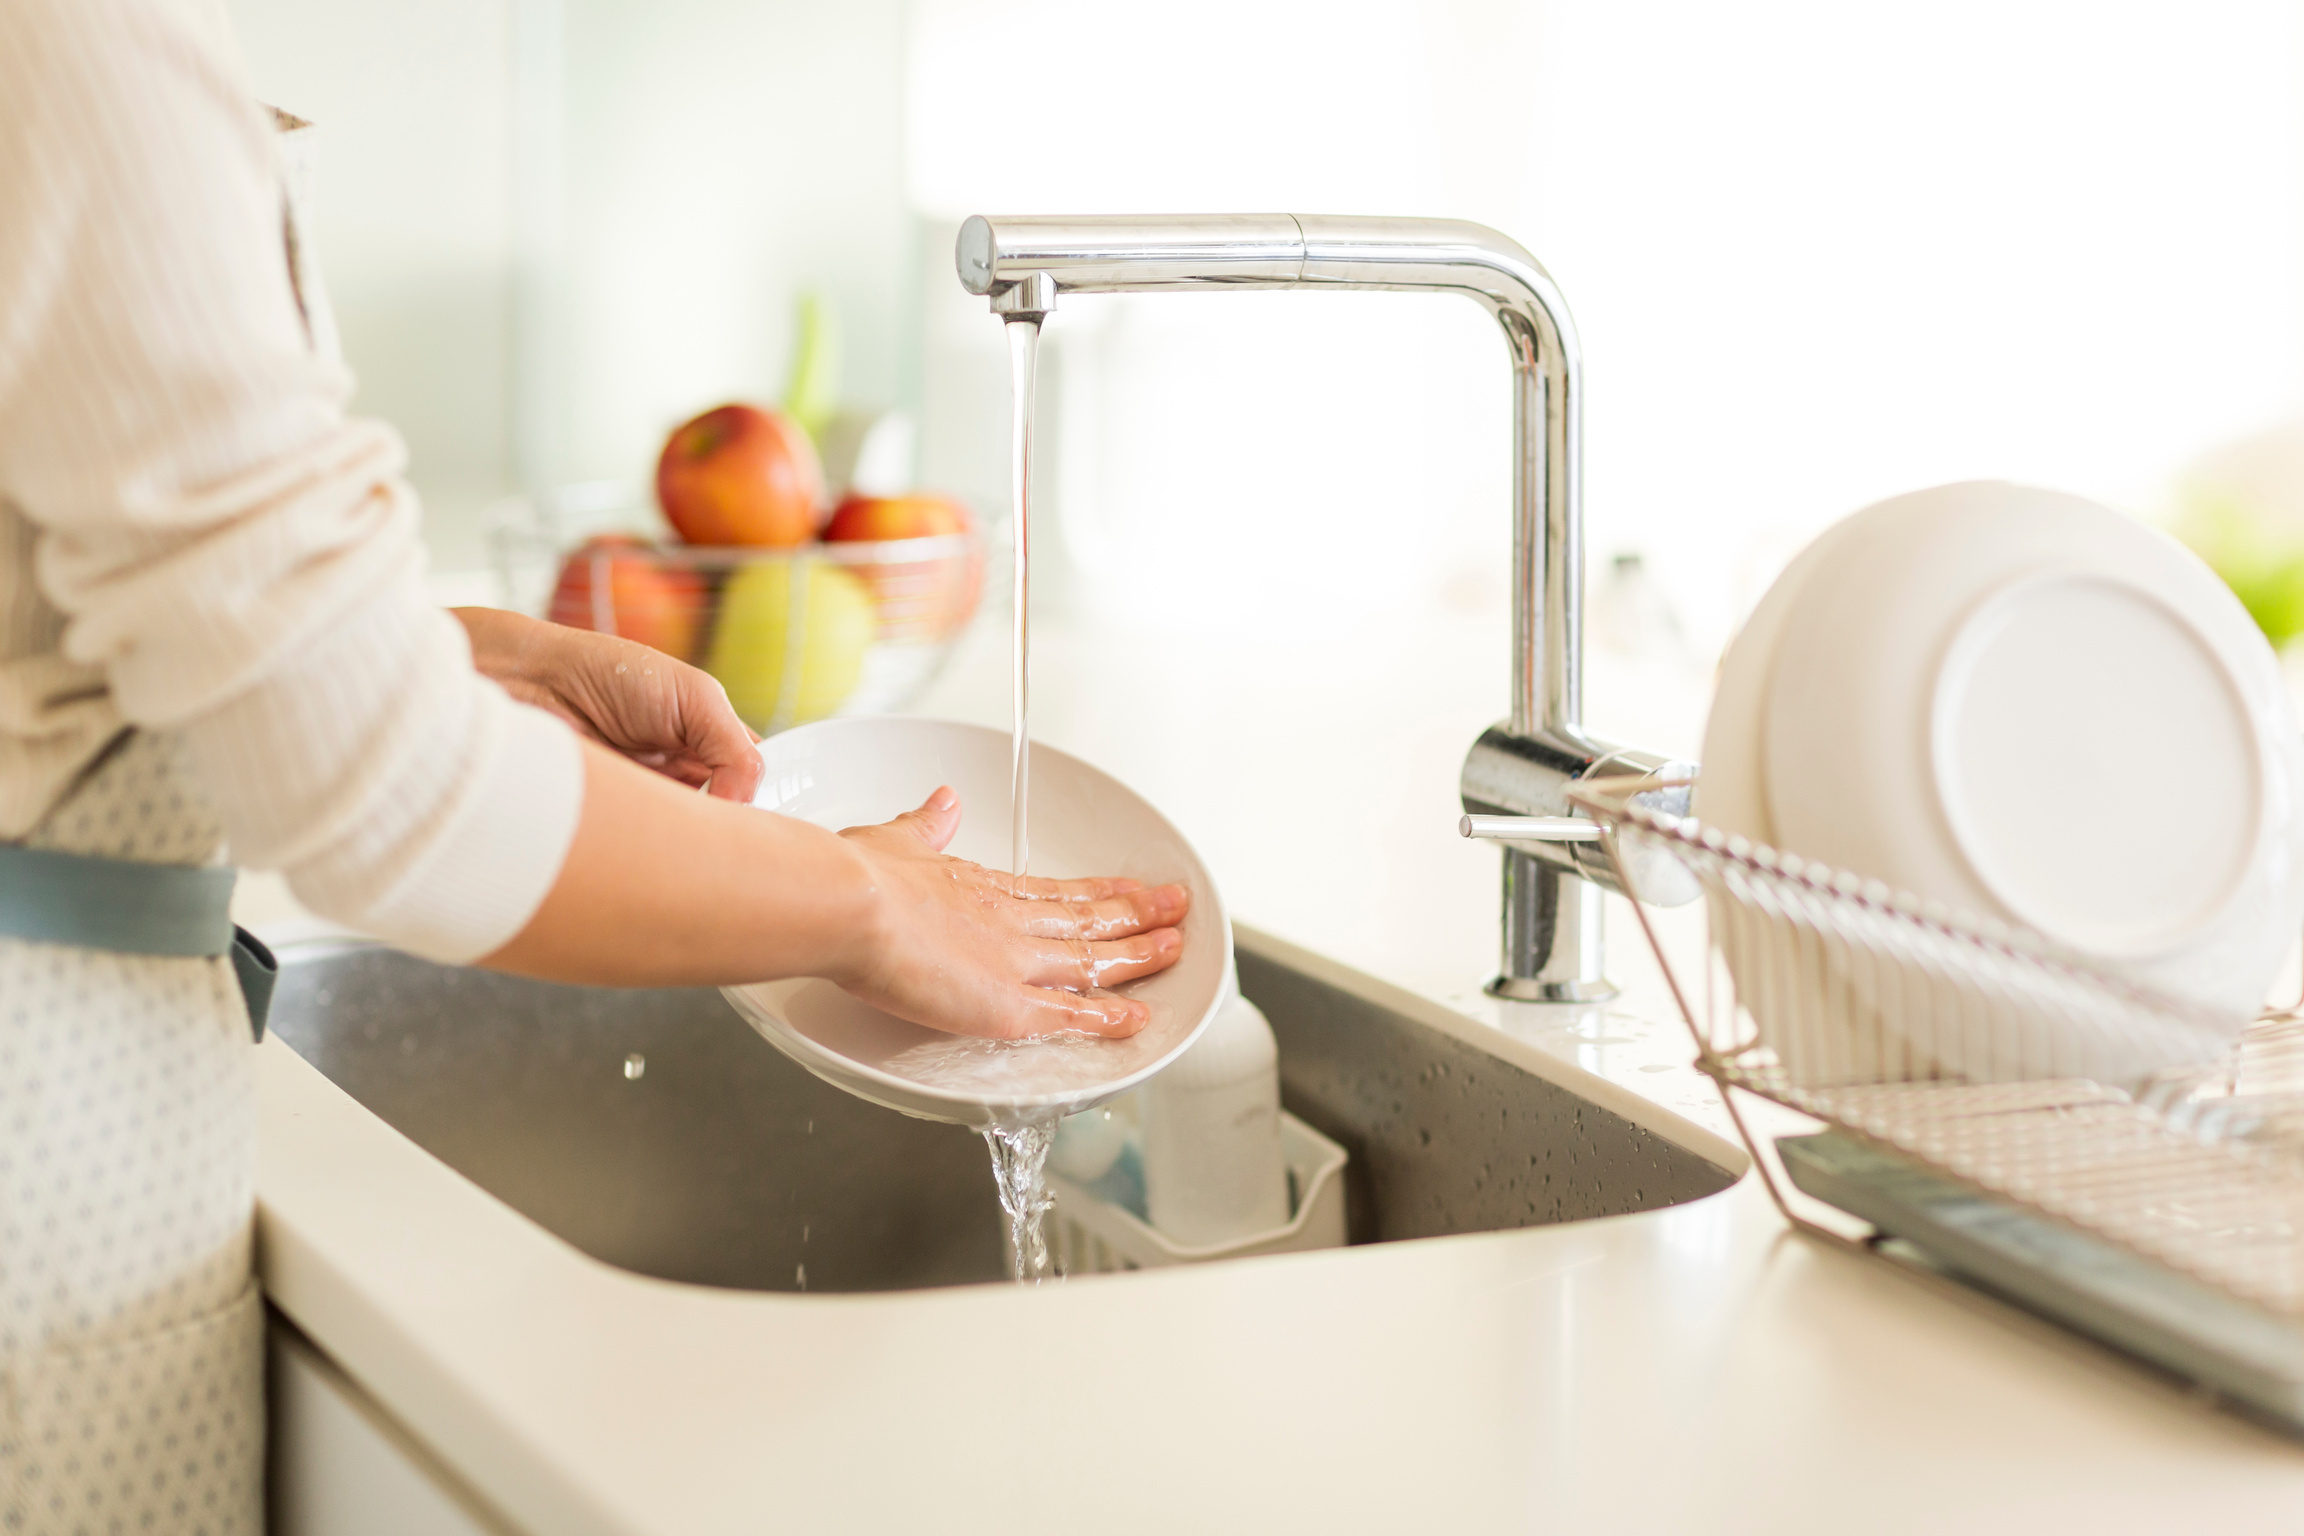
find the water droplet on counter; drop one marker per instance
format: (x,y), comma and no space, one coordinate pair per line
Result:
(800,1276)
(635,1067)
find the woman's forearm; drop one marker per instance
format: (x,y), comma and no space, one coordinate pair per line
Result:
(667,887)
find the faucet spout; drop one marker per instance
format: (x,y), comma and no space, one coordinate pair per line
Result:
(1522,766)
(1180,252)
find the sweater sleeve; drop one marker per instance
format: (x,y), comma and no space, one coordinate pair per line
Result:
(239,556)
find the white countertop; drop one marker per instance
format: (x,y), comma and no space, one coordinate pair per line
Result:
(1693,1369)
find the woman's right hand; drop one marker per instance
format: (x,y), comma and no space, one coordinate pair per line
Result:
(952,947)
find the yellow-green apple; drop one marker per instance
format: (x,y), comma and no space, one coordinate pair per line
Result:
(836,626)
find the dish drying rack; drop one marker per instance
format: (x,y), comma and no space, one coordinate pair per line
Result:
(1957,1068)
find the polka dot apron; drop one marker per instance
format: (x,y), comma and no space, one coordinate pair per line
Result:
(131,1331)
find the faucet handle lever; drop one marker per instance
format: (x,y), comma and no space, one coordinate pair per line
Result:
(1530,829)
(1661,879)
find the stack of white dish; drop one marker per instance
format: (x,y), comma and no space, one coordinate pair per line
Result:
(2031,709)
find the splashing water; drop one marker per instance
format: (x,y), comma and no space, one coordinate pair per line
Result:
(1023,364)
(1019,1169)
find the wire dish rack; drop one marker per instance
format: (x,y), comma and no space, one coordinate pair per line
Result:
(2126,1162)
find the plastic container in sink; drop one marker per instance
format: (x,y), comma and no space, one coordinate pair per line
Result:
(1089,1235)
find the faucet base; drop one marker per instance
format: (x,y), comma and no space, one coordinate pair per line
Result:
(1552,947)
(1529,989)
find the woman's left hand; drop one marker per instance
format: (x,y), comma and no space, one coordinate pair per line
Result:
(661,713)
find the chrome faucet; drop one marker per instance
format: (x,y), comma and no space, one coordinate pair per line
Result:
(1522,766)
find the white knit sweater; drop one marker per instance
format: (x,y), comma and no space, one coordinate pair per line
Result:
(194,537)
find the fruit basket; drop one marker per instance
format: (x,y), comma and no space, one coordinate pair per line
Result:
(794,635)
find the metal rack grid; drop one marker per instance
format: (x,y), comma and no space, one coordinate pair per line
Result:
(1986,1056)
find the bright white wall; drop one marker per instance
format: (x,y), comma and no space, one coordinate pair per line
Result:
(414,100)
(1826,253)
(554,228)
(723,155)
(1818,254)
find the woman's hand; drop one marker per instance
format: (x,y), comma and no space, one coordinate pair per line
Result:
(661,713)
(950,946)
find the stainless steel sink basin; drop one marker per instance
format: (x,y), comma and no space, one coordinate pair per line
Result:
(654,1130)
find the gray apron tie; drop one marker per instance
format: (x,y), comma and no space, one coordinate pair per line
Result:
(133,908)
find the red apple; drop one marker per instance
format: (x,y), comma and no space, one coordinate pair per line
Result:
(661,606)
(918,599)
(741,475)
(894,517)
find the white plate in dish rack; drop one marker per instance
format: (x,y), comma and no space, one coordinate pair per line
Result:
(1991,696)
(853,772)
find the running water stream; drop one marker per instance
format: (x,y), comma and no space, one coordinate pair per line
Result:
(1023,365)
(1020,1141)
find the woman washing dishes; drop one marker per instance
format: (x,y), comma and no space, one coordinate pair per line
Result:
(214,642)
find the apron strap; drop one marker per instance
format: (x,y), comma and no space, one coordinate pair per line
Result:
(132,908)
(258,972)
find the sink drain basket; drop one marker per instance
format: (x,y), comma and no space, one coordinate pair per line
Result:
(1090,1236)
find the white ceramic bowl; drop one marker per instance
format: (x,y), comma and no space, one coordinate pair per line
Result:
(2034,709)
(852,772)
(1732,790)
(1802,1010)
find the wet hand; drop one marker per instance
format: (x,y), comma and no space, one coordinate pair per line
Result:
(661,713)
(955,948)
